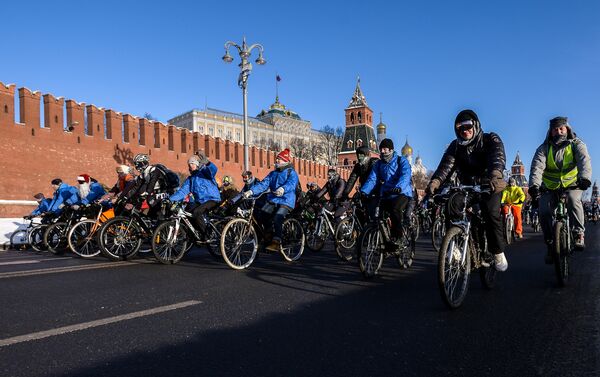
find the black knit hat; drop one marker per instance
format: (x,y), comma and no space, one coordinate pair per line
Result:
(386,143)
(363,149)
(56,181)
(559,122)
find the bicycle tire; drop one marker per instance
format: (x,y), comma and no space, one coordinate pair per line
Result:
(55,238)
(448,261)
(36,238)
(487,275)
(166,249)
(237,233)
(292,240)
(214,246)
(19,240)
(83,239)
(407,254)
(316,242)
(346,236)
(119,238)
(437,233)
(370,257)
(561,254)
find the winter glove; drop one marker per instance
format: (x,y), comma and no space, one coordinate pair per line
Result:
(279,192)
(61,206)
(497,182)
(534,192)
(432,187)
(584,184)
(75,207)
(247,194)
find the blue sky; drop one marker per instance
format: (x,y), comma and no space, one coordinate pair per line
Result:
(516,63)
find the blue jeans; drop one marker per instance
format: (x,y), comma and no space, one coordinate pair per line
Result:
(272,216)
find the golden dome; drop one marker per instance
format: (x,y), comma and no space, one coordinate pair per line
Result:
(407,149)
(381,126)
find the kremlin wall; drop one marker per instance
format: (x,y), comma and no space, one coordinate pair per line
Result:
(58,138)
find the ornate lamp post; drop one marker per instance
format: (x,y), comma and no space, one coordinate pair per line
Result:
(245,69)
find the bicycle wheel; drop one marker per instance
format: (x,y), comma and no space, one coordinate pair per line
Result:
(214,237)
(83,240)
(239,244)
(19,240)
(169,242)
(370,256)
(119,238)
(346,235)
(414,226)
(561,253)
(55,238)
(36,238)
(507,231)
(425,222)
(315,238)
(487,274)
(453,273)
(407,253)
(292,240)
(438,231)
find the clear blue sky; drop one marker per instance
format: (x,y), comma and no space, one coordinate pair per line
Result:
(516,63)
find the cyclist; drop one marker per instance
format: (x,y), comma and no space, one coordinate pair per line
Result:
(228,190)
(151,184)
(43,205)
(63,195)
(360,172)
(561,161)
(202,186)
(282,182)
(89,190)
(124,180)
(249,180)
(513,196)
(334,188)
(393,172)
(477,157)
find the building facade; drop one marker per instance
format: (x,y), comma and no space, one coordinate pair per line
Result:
(273,128)
(517,171)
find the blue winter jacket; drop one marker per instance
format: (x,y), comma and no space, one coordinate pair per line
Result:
(201,184)
(286,178)
(96,192)
(43,207)
(396,173)
(65,194)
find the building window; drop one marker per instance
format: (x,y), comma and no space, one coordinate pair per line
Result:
(238,136)
(359,117)
(352,118)
(211,131)
(359,143)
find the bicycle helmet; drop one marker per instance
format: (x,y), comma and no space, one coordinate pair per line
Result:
(227,180)
(141,161)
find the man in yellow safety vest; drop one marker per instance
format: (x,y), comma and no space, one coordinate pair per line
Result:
(512,199)
(561,161)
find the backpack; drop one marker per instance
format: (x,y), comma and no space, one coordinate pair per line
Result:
(170,178)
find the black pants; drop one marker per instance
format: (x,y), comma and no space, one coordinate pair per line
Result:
(198,210)
(490,210)
(395,207)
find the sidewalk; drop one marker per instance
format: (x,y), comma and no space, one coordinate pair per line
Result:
(7,227)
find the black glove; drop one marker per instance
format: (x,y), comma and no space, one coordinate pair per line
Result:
(534,192)
(396,190)
(584,184)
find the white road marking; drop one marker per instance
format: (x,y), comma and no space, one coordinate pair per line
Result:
(99,322)
(10,263)
(44,271)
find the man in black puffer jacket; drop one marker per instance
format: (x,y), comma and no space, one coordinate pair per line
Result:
(361,169)
(477,157)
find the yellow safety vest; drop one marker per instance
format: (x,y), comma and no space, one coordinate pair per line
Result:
(553,177)
(514,196)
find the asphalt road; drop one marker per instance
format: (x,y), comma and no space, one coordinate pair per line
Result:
(62,316)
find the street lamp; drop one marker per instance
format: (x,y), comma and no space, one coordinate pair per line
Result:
(245,69)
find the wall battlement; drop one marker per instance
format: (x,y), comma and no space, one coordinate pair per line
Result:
(57,137)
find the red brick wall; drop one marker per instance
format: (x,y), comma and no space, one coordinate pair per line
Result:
(34,153)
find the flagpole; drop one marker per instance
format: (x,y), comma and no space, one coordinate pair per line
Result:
(276,85)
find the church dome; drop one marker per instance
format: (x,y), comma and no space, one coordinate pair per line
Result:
(407,149)
(381,126)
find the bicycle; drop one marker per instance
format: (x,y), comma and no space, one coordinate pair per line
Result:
(348,231)
(376,244)
(36,235)
(562,240)
(19,240)
(438,228)
(55,236)
(240,238)
(174,237)
(508,223)
(83,236)
(464,248)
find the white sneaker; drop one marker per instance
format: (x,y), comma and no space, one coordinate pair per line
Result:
(501,262)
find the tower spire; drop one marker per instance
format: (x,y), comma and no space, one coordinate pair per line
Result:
(358,99)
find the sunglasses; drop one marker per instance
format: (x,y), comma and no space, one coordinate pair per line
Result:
(465,125)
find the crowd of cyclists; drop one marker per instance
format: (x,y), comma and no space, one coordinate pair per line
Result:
(275,215)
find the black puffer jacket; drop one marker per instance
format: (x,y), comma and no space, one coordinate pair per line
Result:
(334,189)
(482,158)
(360,172)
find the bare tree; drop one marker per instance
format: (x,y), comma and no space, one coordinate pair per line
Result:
(300,148)
(421,180)
(331,140)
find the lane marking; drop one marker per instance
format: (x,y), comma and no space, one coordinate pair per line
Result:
(100,322)
(54,270)
(10,263)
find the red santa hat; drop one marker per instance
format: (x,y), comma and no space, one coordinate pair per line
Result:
(284,155)
(83,178)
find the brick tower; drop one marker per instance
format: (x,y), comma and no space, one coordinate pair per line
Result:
(359,128)
(517,171)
